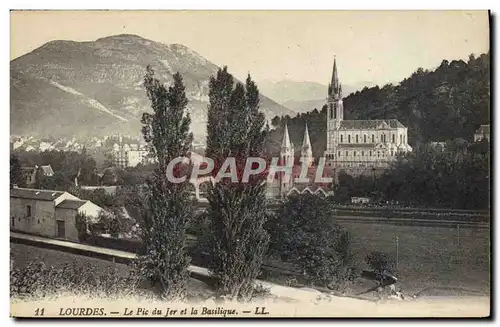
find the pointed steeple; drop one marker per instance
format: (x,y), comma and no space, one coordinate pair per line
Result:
(306,151)
(306,144)
(286,144)
(335,78)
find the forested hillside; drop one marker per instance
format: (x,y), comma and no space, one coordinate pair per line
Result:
(447,103)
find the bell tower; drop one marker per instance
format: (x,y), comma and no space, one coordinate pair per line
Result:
(334,100)
(335,116)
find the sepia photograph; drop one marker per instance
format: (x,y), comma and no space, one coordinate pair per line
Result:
(250,164)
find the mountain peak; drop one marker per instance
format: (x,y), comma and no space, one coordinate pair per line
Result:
(94,87)
(122,37)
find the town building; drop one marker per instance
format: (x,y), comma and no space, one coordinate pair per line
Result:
(360,146)
(30,174)
(49,213)
(125,155)
(483,132)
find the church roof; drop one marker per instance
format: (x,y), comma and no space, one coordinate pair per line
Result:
(370,124)
(358,145)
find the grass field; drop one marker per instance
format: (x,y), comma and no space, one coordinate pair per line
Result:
(429,257)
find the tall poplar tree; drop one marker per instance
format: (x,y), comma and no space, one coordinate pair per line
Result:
(237,211)
(167,208)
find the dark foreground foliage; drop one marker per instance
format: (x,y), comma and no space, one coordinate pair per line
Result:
(304,232)
(40,280)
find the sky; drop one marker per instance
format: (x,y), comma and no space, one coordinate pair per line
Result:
(370,46)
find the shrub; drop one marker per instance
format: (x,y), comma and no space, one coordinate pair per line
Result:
(304,232)
(380,262)
(81,226)
(39,280)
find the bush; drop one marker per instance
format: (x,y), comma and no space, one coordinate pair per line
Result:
(380,262)
(81,226)
(39,280)
(303,232)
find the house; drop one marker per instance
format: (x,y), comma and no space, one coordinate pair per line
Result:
(48,213)
(483,132)
(30,173)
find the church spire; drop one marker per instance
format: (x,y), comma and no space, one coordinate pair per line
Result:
(335,78)
(306,144)
(286,144)
(306,151)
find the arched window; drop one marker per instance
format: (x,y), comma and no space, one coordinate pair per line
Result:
(373,138)
(393,138)
(348,138)
(400,138)
(331,111)
(364,138)
(357,141)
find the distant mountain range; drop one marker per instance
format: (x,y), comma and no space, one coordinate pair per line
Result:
(81,89)
(303,96)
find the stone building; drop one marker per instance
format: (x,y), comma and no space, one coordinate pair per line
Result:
(48,213)
(125,155)
(483,132)
(30,173)
(360,146)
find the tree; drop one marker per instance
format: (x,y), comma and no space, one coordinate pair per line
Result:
(237,210)
(16,174)
(167,211)
(303,232)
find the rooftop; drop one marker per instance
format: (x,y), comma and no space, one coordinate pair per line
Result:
(71,204)
(29,193)
(484,129)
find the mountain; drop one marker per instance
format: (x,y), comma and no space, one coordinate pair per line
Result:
(303,96)
(81,89)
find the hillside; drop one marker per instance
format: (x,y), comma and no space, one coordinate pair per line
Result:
(67,88)
(447,103)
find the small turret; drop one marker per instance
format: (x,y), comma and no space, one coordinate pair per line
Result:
(306,150)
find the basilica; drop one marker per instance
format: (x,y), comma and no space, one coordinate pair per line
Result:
(354,147)
(360,145)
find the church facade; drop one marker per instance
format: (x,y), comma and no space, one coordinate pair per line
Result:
(353,146)
(358,146)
